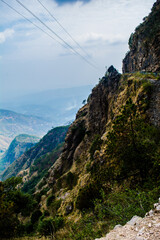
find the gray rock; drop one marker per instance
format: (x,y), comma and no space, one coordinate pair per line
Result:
(158,208)
(134,221)
(117,226)
(155,205)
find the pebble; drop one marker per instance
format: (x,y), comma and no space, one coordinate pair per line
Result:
(158,208)
(117,226)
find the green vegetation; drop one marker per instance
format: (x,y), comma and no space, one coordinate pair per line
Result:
(54,206)
(18,146)
(132,145)
(50,200)
(13,202)
(71,180)
(49,225)
(86,196)
(41,166)
(42,154)
(96,145)
(126,182)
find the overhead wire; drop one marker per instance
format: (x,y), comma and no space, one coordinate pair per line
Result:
(67,44)
(29,20)
(64,29)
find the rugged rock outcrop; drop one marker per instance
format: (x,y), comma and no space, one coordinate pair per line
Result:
(100,99)
(90,120)
(144,54)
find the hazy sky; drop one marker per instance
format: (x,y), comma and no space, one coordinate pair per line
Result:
(32,61)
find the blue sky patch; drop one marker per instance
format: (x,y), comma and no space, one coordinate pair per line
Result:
(61,2)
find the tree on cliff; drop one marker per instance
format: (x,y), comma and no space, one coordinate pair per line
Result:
(131,144)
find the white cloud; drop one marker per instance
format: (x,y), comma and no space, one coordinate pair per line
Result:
(102,27)
(6,34)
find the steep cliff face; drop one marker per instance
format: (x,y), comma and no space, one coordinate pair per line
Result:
(90,121)
(99,104)
(144,54)
(84,168)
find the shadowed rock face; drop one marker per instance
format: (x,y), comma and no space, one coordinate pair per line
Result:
(100,100)
(144,54)
(90,120)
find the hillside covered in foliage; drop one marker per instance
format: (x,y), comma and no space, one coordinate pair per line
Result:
(18,146)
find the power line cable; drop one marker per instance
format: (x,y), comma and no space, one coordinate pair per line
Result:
(29,20)
(63,27)
(68,45)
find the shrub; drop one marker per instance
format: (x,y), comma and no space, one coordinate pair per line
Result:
(96,145)
(86,196)
(35,216)
(58,222)
(49,225)
(28,227)
(118,207)
(71,180)
(147,86)
(50,200)
(46,227)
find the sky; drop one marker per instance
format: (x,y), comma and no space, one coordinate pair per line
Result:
(32,61)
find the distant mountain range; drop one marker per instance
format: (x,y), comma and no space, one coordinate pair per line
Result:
(37,113)
(13,124)
(57,106)
(41,156)
(18,146)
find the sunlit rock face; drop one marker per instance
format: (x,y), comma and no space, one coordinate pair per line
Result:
(144,54)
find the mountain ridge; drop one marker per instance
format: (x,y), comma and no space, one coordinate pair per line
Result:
(13,123)
(18,146)
(50,141)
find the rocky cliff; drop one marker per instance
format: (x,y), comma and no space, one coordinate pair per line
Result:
(90,120)
(144,54)
(84,170)
(110,149)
